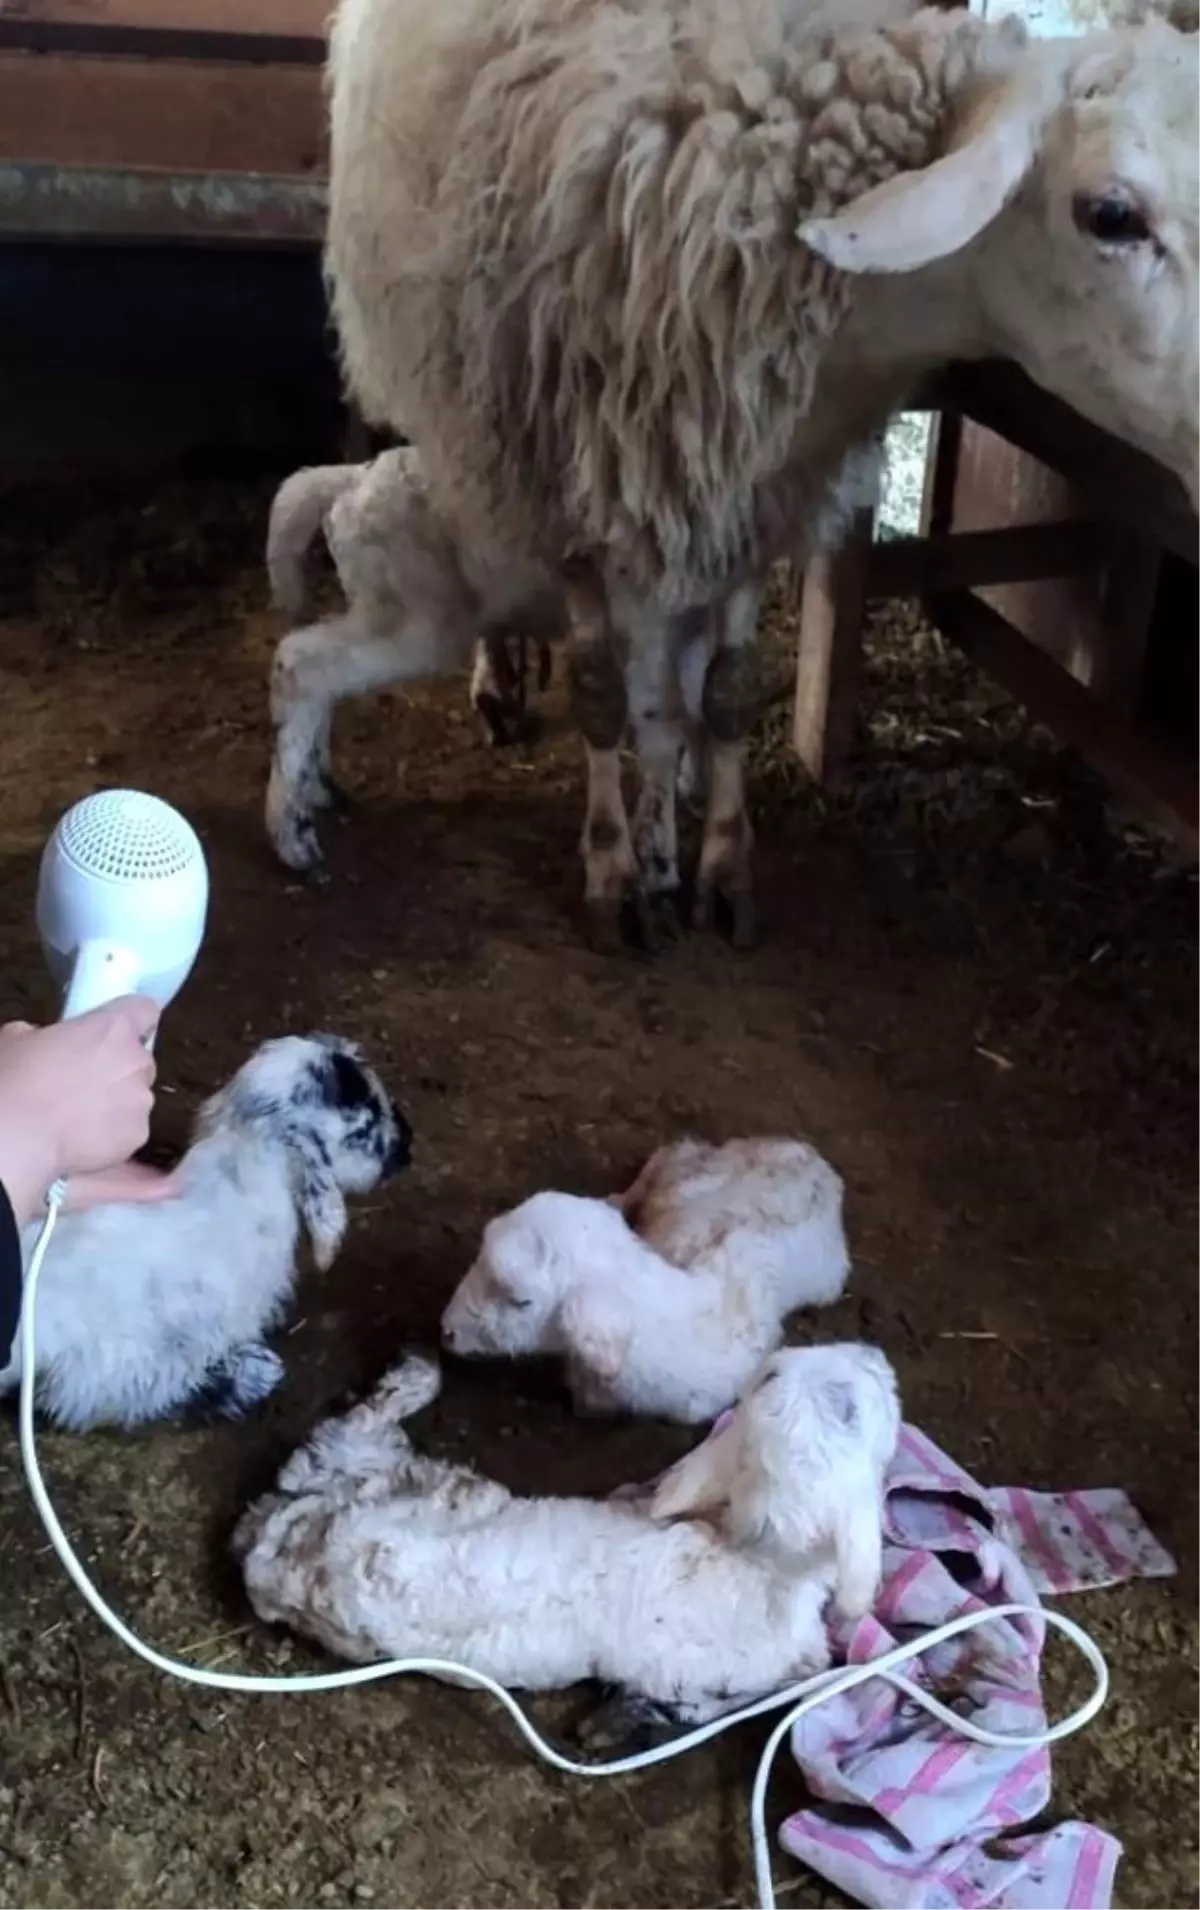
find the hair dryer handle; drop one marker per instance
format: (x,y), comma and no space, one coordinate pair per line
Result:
(103,971)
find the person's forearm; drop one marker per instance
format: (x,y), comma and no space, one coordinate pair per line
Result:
(25,1170)
(10,1275)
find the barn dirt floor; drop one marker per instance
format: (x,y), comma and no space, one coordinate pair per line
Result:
(976,992)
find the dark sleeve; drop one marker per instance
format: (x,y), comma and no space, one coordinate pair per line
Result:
(10,1276)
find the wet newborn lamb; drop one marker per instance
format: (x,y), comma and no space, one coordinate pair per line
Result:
(664,1299)
(706,1594)
(142,1310)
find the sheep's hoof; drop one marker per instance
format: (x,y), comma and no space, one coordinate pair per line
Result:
(645,923)
(624,1724)
(739,908)
(743,929)
(604,918)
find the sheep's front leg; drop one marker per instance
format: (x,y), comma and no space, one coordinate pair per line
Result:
(655,835)
(600,707)
(732,701)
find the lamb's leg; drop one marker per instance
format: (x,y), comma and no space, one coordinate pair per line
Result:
(314,669)
(599,706)
(625,1722)
(495,691)
(240,1381)
(367,1439)
(733,696)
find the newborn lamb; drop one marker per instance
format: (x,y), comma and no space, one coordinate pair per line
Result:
(409,615)
(142,1310)
(705,1595)
(665,1299)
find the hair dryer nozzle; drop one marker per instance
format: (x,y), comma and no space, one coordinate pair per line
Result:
(122,900)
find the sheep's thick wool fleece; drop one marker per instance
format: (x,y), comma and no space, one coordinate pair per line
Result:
(936,1813)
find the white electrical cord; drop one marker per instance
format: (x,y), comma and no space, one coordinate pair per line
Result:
(798,1698)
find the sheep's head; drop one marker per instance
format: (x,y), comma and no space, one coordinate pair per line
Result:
(1070,190)
(799,1466)
(509,1302)
(331,1112)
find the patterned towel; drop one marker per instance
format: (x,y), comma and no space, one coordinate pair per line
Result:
(908,1813)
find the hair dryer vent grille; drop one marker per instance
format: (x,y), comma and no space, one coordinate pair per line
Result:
(126,836)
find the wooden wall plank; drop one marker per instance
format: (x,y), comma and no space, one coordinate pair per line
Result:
(306,17)
(176,115)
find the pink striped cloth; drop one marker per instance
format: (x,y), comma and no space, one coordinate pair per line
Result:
(908,1815)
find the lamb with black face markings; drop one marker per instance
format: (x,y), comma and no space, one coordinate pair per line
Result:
(145,1310)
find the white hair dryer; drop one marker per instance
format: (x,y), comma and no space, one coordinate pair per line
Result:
(122,900)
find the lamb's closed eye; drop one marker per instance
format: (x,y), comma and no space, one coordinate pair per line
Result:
(675,1316)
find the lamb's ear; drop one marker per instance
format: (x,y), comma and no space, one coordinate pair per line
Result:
(918,217)
(596,1328)
(858,1550)
(322,1206)
(696,1488)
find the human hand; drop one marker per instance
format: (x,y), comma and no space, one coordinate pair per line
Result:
(75,1097)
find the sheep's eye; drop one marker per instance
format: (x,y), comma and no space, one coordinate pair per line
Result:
(519,1305)
(1111,218)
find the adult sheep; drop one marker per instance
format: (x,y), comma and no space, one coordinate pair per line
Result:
(643,278)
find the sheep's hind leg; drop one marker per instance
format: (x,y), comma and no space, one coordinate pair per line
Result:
(733,696)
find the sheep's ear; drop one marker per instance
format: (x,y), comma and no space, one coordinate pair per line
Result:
(322,1206)
(918,217)
(696,1488)
(595,1327)
(858,1552)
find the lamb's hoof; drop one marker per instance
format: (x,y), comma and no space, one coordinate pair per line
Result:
(624,1724)
(710,903)
(501,719)
(330,795)
(408,1387)
(505,724)
(296,844)
(240,1382)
